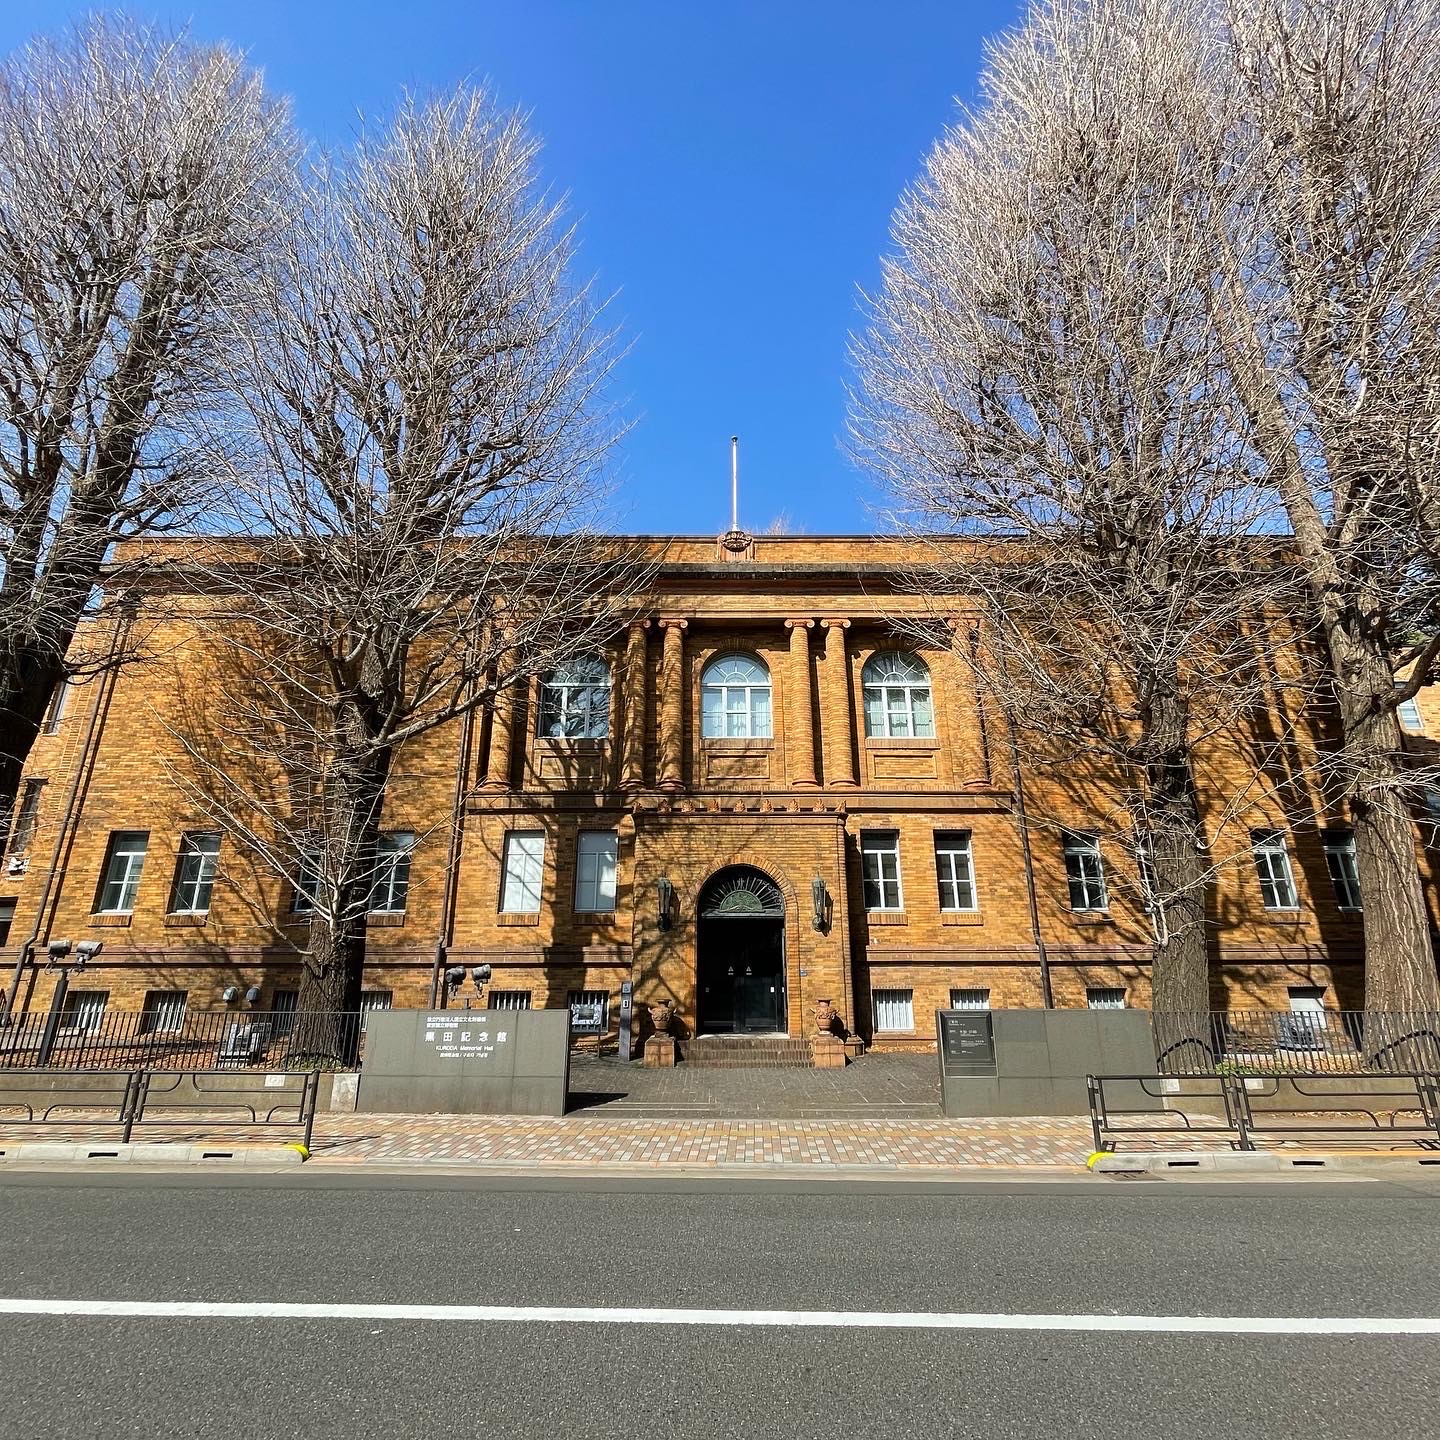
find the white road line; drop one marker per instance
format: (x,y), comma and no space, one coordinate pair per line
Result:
(818,1319)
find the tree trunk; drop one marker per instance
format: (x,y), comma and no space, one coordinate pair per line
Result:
(29,675)
(1400,969)
(1180,966)
(329,1031)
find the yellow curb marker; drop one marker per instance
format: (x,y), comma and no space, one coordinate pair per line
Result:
(303,1149)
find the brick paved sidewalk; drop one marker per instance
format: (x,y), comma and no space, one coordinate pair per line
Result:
(580,1141)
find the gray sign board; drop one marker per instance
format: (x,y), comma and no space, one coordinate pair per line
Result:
(466,1062)
(967,1042)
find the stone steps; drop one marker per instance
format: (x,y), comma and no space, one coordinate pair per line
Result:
(746,1052)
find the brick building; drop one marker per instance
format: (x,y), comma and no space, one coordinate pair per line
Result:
(758,799)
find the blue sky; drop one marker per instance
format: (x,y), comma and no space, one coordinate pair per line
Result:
(734,166)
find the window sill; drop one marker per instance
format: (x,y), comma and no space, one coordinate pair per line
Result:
(573,744)
(961,917)
(379,919)
(738,742)
(505,918)
(186,919)
(881,1034)
(901,743)
(1092,917)
(112,921)
(1287,917)
(887,917)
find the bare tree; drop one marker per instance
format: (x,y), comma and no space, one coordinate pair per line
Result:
(424,474)
(1330,109)
(140,179)
(1043,391)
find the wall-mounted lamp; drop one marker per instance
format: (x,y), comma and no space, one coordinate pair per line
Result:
(230,994)
(86,951)
(454,977)
(820,903)
(252,995)
(57,950)
(480,976)
(665,900)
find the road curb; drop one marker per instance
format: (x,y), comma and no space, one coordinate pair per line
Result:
(29,1153)
(1178,1163)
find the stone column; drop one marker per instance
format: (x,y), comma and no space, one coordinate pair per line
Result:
(637,686)
(799,724)
(502,730)
(672,705)
(837,730)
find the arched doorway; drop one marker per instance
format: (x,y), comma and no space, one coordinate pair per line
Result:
(740,960)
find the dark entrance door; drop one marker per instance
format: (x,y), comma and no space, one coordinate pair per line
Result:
(741,959)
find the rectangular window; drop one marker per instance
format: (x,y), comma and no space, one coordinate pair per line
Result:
(954,870)
(27,813)
(1084,871)
(595,863)
(1344,874)
(124,860)
(524,867)
(373,1000)
(391,885)
(1272,866)
(1409,714)
(880,869)
(283,1004)
(164,1012)
(1104,997)
(55,711)
(7,919)
(972,999)
(307,881)
(508,1000)
(589,1011)
(195,873)
(84,1010)
(1304,1027)
(894,1010)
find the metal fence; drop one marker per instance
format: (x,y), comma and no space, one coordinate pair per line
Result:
(201,1040)
(1302,1042)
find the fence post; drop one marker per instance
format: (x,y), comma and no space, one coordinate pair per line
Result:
(52,1020)
(136,1083)
(1237,1101)
(310,1100)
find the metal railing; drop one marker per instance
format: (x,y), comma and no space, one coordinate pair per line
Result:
(1305,1042)
(191,1100)
(204,1040)
(1241,1109)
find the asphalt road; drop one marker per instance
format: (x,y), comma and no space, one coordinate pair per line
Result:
(1141,1249)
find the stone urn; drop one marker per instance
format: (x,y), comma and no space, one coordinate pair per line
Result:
(824,1016)
(662,1014)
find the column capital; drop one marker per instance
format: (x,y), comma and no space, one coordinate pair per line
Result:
(798,624)
(835,622)
(640,624)
(672,622)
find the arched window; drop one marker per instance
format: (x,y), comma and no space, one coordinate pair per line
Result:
(897,697)
(735,698)
(575,700)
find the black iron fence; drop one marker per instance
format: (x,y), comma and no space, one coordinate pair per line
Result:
(1302,1042)
(200,1040)
(189,1100)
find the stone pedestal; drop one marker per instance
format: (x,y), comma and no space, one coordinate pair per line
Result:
(828,1052)
(854,1047)
(660,1052)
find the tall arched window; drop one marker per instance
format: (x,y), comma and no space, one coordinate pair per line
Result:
(575,700)
(735,698)
(897,697)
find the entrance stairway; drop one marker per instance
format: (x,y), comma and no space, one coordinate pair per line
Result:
(745,1052)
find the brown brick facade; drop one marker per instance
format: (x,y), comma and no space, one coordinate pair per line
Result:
(795,804)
